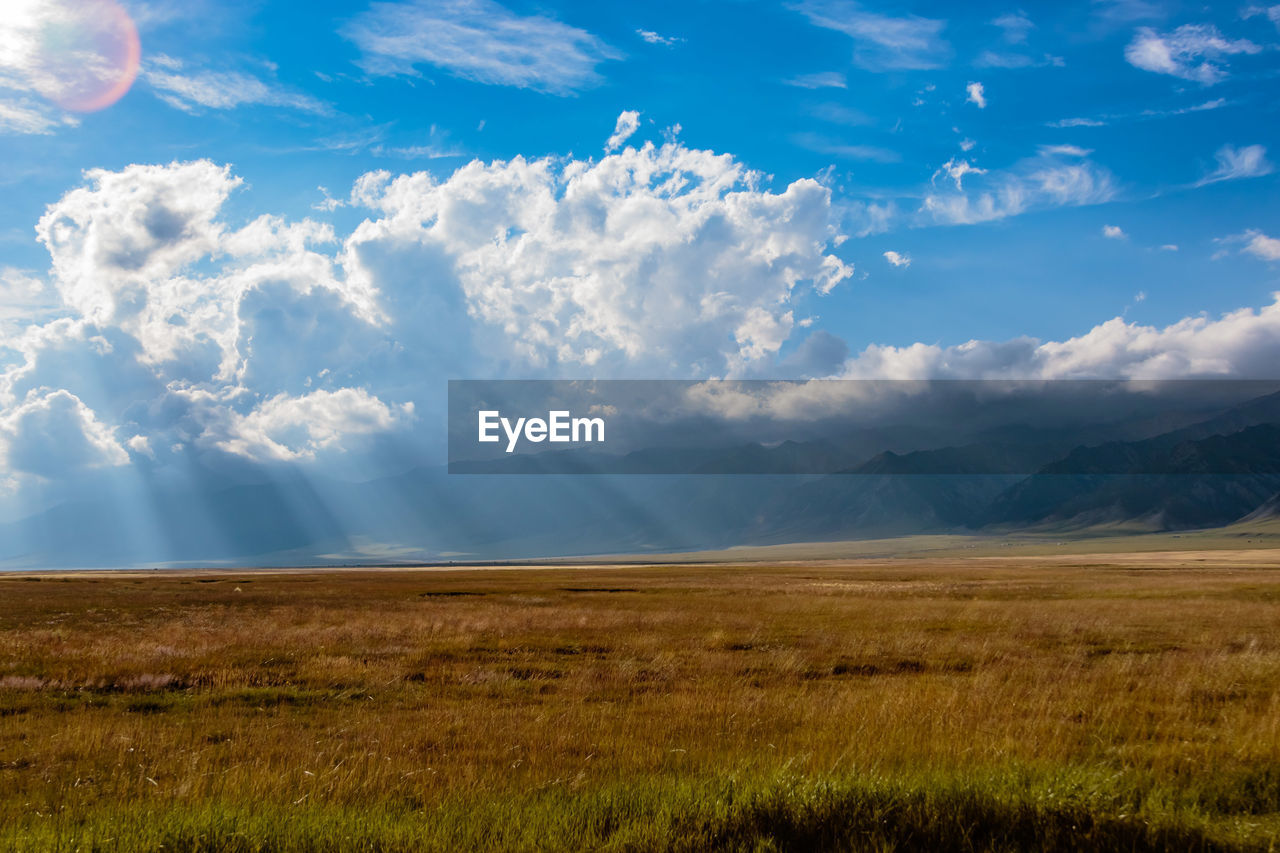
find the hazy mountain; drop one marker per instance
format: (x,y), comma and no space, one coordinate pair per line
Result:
(1214,472)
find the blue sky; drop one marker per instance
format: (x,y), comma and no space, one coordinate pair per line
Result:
(300,219)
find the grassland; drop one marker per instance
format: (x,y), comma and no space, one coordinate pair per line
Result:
(1088,702)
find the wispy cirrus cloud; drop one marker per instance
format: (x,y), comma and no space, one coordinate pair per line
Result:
(1015,26)
(882,42)
(1191,52)
(1057,176)
(1112,118)
(1234,163)
(819,80)
(22,115)
(1005,60)
(1272,13)
(191,91)
(480,41)
(821,144)
(840,114)
(1077,121)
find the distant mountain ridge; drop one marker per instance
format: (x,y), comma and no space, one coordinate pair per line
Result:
(1221,470)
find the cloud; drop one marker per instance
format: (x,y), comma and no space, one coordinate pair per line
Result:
(1103,120)
(53,434)
(820,354)
(165,328)
(26,117)
(1248,162)
(173,323)
(1216,103)
(657,258)
(480,41)
(285,428)
(1240,344)
(1169,247)
(328,203)
(1076,122)
(818,80)
(1055,177)
(898,260)
(868,217)
(654,38)
(1015,26)
(1065,150)
(824,145)
(1114,232)
(1272,13)
(1116,13)
(882,42)
(1255,243)
(956,169)
(1191,52)
(839,114)
(221,90)
(126,250)
(23,294)
(1002,59)
(628,123)
(976,95)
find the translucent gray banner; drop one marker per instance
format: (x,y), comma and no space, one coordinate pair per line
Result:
(871,427)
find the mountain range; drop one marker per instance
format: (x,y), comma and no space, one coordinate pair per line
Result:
(1213,472)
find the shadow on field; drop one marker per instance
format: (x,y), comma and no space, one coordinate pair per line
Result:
(870,815)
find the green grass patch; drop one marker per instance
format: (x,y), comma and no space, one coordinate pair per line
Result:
(1066,812)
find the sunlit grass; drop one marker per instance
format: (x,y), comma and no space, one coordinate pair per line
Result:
(959,705)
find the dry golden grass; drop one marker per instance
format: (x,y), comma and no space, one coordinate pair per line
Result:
(518,708)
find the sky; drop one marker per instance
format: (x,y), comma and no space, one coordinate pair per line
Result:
(266,233)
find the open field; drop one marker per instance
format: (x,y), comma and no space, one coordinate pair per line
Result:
(1079,702)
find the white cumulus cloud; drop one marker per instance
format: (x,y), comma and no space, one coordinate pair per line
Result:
(657,38)
(662,256)
(1240,344)
(54,434)
(1255,243)
(285,428)
(628,123)
(897,259)
(1114,232)
(975,94)
(165,322)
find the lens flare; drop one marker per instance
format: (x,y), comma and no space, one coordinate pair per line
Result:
(82,55)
